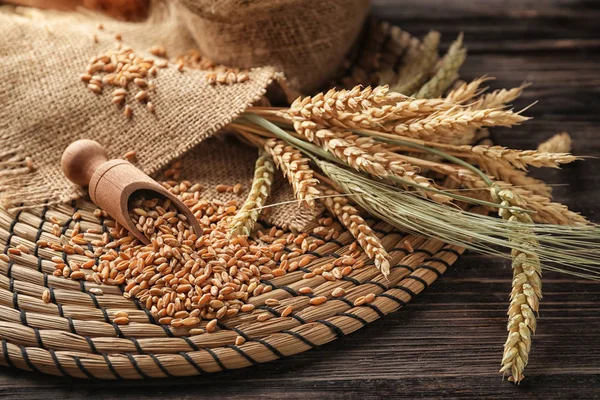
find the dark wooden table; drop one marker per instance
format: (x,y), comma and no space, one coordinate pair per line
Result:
(448,342)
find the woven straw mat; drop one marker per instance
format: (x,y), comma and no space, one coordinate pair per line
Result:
(73,334)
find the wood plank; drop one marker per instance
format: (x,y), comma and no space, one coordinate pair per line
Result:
(448,342)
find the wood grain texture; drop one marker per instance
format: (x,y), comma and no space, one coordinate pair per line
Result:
(448,342)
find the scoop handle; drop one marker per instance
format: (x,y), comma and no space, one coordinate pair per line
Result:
(81,159)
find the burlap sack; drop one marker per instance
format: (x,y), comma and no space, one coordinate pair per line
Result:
(306,39)
(44,106)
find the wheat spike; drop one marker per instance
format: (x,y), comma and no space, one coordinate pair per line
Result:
(466,91)
(243,222)
(324,109)
(417,64)
(295,167)
(526,290)
(518,158)
(454,125)
(401,111)
(446,73)
(364,154)
(355,99)
(559,143)
(308,112)
(397,43)
(379,109)
(548,212)
(545,211)
(498,98)
(349,216)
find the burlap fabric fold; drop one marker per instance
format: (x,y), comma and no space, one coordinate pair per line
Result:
(44,106)
(306,39)
(205,164)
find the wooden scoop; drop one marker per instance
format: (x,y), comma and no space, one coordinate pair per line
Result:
(111,183)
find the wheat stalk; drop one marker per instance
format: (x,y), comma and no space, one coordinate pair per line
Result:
(575,250)
(349,216)
(517,177)
(243,222)
(559,143)
(545,211)
(417,64)
(447,71)
(295,167)
(526,290)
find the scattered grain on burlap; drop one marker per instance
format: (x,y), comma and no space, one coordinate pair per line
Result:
(306,39)
(205,164)
(45,106)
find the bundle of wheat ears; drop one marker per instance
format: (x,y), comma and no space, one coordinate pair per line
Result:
(403,152)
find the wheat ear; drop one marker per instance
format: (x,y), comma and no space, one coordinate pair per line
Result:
(559,143)
(456,125)
(364,154)
(546,211)
(526,290)
(466,91)
(397,43)
(243,222)
(418,64)
(498,98)
(447,71)
(295,167)
(520,159)
(349,216)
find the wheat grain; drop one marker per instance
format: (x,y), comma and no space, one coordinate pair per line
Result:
(180,277)
(446,73)
(519,178)
(158,50)
(295,167)
(526,290)
(349,216)
(244,220)
(315,301)
(559,143)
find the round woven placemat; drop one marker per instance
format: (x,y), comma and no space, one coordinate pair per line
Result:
(73,335)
